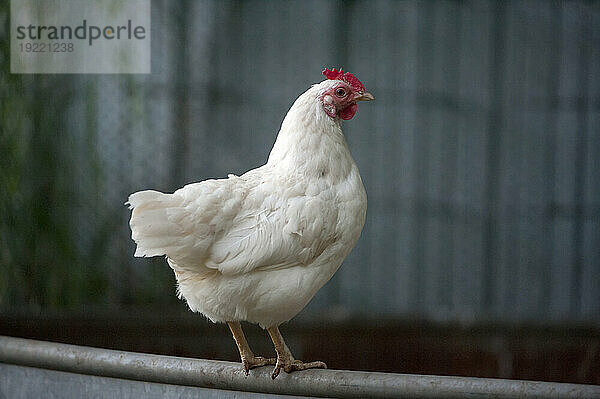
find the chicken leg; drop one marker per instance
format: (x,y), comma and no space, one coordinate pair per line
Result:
(285,360)
(249,361)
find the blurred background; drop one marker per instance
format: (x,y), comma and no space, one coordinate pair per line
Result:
(480,156)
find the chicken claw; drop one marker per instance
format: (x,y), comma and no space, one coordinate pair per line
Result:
(256,361)
(249,361)
(285,360)
(295,365)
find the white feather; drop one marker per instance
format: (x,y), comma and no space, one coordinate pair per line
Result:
(257,247)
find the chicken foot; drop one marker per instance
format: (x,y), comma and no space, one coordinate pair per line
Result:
(249,361)
(285,360)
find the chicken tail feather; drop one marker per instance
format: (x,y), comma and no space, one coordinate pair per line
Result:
(153,228)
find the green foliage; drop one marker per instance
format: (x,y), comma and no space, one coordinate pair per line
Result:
(51,187)
(38,249)
(40,265)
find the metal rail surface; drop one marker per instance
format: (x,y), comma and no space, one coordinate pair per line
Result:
(229,376)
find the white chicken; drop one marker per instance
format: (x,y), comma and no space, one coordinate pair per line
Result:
(257,247)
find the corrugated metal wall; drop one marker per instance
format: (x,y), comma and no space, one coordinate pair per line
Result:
(480,155)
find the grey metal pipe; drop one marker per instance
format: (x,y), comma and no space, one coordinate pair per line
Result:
(227,375)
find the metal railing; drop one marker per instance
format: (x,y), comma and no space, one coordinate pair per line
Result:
(227,376)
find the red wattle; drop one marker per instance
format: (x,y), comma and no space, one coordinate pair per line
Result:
(348,112)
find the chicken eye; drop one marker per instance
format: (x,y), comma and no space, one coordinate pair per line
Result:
(340,92)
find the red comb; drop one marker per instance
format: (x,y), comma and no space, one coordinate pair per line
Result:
(345,77)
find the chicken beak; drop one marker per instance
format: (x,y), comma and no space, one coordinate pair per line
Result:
(364,97)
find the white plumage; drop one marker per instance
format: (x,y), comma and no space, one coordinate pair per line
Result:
(257,247)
